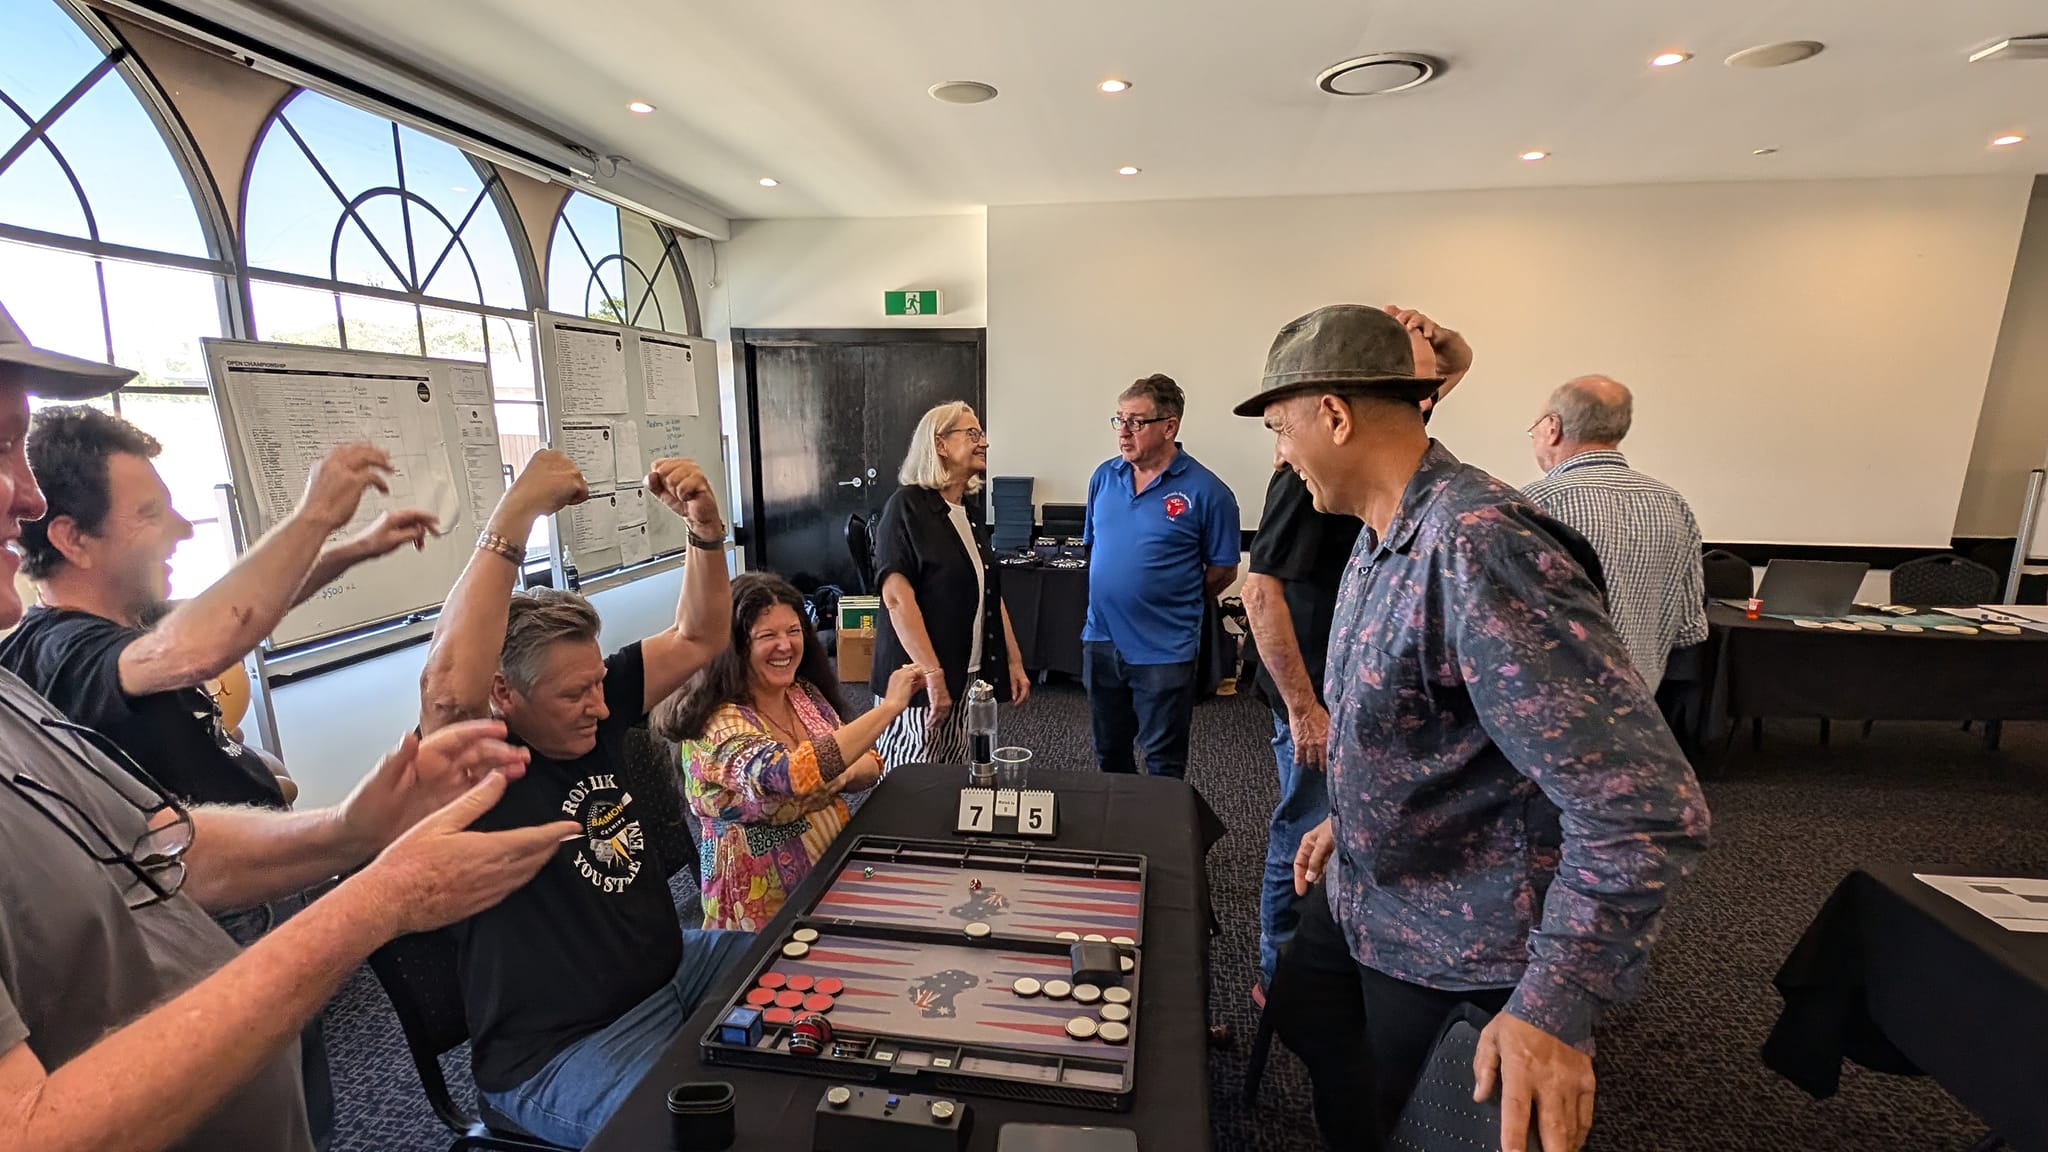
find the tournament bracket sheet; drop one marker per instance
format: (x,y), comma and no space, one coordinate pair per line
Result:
(295,415)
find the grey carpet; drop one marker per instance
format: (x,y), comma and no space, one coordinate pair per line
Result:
(1678,1070)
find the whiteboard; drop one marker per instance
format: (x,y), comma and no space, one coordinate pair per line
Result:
(616,399)
(282,406)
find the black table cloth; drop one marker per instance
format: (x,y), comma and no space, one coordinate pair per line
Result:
(1048,608)
(1163,820)
(1774,668)
(1902,978)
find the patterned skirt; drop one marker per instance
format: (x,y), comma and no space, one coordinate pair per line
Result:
(911,739)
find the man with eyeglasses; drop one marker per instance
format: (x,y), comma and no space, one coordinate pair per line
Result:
(1164,541)
(128,1019)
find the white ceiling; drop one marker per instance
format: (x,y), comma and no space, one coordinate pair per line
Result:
(828,96)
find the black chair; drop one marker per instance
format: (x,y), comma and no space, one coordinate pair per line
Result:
(860,544)
(419,976)
(1729,577)
(1943,579)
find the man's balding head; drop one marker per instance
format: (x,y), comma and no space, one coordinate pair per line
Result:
(1586,414)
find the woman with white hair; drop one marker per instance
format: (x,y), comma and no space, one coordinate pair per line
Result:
(940,589)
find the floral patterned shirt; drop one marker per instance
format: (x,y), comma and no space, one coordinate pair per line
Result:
(1510,807)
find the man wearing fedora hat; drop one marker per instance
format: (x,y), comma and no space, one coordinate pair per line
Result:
(1508,809)
(127,1017)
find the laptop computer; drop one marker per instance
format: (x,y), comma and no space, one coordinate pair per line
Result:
(1810,587)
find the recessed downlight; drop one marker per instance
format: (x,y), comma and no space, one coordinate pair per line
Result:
(640,108)
(962,92)
(770,182)
(1128,170)
(1775,55)
(1379,74)
(2007,140)
(1113,86)
(1535,154)
(1667,59)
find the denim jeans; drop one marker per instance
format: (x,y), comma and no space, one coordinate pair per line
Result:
(567,1101)
(248,925)
(1304,802)
(1152,705)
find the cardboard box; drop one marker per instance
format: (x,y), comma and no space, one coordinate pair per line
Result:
(856,658)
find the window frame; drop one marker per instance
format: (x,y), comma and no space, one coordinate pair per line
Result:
(672,259)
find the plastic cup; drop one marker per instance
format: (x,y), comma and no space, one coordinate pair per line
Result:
(1013,767)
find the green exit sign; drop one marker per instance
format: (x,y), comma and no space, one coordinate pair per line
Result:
(919,302)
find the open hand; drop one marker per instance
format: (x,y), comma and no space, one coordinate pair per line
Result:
(939,696)
(439,873)
(393,529)
(1310,731)
(1534,1071)
(1316,847)
(420,777)
(338,481)
(1020,683)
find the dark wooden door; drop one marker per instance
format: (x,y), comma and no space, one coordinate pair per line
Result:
(831,413)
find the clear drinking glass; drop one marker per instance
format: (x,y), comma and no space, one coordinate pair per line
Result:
(1013,767)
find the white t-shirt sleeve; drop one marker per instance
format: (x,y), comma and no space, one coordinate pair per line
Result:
(958,515)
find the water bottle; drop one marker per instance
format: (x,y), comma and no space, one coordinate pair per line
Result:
(981,733)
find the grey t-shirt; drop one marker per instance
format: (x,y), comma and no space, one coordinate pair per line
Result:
(75,961)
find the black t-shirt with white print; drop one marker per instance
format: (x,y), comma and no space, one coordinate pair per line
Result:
(594,933)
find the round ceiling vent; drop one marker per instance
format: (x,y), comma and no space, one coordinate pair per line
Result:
(1775,55)
(1378,74)
(963,92)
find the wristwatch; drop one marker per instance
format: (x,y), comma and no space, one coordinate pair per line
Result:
(707,543)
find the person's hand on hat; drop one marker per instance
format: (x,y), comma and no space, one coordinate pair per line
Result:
(1453,355)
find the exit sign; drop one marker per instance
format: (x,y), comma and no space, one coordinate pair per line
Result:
(920,302)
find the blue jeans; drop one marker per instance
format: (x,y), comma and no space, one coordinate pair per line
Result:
(567,1101)
(1151,704)
(1304,803)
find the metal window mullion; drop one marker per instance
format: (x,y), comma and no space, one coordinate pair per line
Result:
(40,127)
(412,259)
(322,284)
(108,250)
(348,206)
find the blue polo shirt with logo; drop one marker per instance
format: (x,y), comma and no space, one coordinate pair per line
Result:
(1148,551)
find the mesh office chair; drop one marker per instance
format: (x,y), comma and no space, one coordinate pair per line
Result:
(419,975)
(860,544)
(1943,579)
(1729,577)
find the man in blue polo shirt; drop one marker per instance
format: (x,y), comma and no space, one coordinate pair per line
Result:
(1164,534)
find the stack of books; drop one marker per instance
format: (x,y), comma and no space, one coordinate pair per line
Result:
(1011,497)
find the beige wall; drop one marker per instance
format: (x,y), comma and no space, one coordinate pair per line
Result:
(832,273)
(2012,432)
(1809,358)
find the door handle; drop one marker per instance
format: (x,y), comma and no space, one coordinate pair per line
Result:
(855,482)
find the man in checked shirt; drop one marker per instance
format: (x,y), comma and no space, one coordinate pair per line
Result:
(1508,810)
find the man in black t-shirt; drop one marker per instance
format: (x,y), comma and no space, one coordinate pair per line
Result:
(100,559)
(1297,561)
(579,981)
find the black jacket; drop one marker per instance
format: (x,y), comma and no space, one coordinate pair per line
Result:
(916,539)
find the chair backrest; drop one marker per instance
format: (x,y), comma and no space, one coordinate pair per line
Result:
(1729,577)
(860,544)
(419,976)
(1943,579)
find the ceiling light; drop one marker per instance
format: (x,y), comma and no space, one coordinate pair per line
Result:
(962,92)
(640,107)
(1379,74)
(1764,152)
(2007,140)
(1775,55)
(1127,170)
(1667,59)
(769,182)
(1534,155)
(1113,87)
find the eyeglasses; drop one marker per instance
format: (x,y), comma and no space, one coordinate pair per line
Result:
(1539,423)
(974,435)
(1135,423)
(155,862)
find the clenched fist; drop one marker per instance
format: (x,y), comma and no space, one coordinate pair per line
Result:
(549,483)
(681,485)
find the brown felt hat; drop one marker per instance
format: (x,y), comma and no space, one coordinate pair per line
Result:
(1341,348)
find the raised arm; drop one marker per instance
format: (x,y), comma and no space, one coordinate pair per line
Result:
(145,1086)
(1453,354)
(455,685)
(703,624)
(205,634)
(386,535)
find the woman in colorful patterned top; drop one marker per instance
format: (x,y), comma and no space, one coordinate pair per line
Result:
(767,765)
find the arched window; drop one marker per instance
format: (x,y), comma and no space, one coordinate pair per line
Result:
(358,232)
(109,245)
(613,264)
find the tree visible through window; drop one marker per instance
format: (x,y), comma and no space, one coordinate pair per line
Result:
(611,264)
